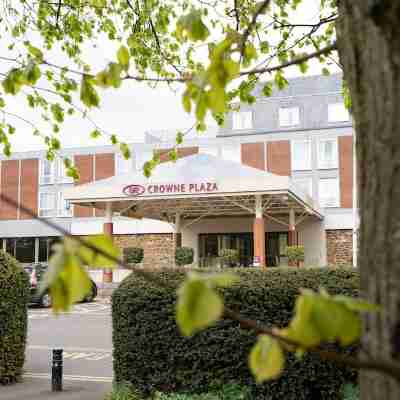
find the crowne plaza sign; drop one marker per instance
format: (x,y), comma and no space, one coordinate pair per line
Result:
(199,187)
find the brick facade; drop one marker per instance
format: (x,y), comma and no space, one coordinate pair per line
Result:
(104,168)
(345,144)
(10,187)
(84,164)
(182,152)
(29,190)
(253,154)
(278,157)
(158,248)
(339,246)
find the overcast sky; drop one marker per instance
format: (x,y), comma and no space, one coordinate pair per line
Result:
(128,111)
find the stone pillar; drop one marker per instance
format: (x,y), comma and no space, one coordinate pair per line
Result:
(292,239)
(177,231)
(108,229)
(259,235)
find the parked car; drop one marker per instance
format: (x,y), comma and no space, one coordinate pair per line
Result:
(36,273)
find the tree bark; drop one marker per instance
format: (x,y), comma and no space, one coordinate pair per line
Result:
(369,47)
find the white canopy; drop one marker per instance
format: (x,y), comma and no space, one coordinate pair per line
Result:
(193,186)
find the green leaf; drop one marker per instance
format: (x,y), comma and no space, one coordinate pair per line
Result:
(35,52)
(198,306)
(125,150)
(191,26)
(186,102)
(32,73)
(2,102)
(123,57)
(58,112)
(93,258)
(179,138)
(303,67)
(173,155)
(67,279)
(325,71)
(95,134)
(89,96)
(266,359)
(267,89)
(114,139)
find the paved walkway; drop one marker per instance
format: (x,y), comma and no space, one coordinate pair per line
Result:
(85,336)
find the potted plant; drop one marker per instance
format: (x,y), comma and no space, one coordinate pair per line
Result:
(295,255)
(229,257)
(184,256)
(133,256)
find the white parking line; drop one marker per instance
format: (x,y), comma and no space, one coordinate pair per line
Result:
(88,349)
(101,379)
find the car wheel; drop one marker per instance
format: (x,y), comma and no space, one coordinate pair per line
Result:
(91,296)
(45,300)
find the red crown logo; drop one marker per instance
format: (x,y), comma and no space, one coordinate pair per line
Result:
(134,190)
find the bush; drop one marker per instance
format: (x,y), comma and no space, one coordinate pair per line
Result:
(184,256)
(150,353)
(229,257)
(295,253)
(14,299)
(133,255)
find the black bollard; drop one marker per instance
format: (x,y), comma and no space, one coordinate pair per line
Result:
(57,370)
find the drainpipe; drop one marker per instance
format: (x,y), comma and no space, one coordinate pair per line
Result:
(355,204)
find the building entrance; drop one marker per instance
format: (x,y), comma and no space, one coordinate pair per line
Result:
(211,244)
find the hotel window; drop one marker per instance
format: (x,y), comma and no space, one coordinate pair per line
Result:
(242,120)
(329,192)
(62,173)
(289,116)
(25,250)
(327,154)
(123,166)
(301,155)
(337,112)
(47,204)
(305,184)
(64,207)
(46,172)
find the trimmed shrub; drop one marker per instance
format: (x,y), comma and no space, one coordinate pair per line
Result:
(133,255)
(229,257)
(150,352)
(184,256)
(295,253)
(14,299)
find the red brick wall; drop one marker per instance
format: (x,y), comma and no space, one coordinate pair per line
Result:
(253,155)
(278,157)
(346,171)
(105,168)
(9,187)
(84,164)
(29,186)
(182,152)
(339,244)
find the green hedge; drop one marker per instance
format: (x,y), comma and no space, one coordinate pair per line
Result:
(150,353)
(14,298)
(184,256)
(133,255)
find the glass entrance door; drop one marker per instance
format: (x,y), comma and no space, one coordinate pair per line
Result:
(275,247)
(210,245)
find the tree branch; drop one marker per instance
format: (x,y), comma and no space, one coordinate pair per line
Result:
(390,368)
(326,50)
(261,8)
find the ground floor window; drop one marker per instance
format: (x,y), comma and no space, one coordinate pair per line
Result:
(211,244)
(29,250)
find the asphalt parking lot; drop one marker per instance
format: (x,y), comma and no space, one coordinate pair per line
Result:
(85,336)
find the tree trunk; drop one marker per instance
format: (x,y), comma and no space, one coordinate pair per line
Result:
(369,48)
